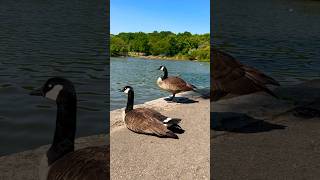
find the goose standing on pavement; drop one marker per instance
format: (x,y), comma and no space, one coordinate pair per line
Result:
(173,84)
(229,76)
(61,160)
(148,121)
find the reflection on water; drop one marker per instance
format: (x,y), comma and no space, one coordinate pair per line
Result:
(142,74)
(278,37)
(39,40)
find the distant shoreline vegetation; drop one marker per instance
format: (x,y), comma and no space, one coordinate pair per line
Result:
(161,45)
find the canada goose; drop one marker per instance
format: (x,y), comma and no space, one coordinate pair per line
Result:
(148,121)
(173,84)
(61,161)
(230,76)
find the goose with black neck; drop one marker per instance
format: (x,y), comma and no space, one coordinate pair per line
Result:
(61,160)
(148,121)
(173,84)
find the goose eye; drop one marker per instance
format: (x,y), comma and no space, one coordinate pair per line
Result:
(49,85)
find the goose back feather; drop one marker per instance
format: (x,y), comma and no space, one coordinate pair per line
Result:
(82,164)
(174,84)
(148,121)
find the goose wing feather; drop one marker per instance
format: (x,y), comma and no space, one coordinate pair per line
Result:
(143,120)
(90,163)
(230,76)
(152,113)
(259,76)
(176,84)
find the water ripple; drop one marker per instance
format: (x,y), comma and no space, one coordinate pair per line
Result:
(37,42)
(281,43)
(143,80)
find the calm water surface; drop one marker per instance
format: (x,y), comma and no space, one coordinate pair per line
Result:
(142,74)
(280,37)
(41,39)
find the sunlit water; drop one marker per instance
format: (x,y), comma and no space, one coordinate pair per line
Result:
(280,37)
(39,40)
(142,74)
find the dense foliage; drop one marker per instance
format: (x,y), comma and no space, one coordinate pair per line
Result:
(163,44)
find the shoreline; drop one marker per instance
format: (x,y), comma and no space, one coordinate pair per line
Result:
(159,58)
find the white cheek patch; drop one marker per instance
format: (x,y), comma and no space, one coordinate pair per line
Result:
(162,68)
(54,92)
(127,90)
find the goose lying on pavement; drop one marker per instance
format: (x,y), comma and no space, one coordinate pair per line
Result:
(148,121)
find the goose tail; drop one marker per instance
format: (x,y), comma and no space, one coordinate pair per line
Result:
(170,134)
(192,87)
(271,93)
(172,125)
(176,129)
(204,93)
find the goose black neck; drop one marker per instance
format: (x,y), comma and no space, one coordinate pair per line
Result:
(64,135)
(130,101)
(165,75)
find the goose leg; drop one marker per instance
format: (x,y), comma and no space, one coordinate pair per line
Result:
(173,98)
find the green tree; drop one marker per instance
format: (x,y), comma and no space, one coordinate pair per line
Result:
(118,47)
(164,43)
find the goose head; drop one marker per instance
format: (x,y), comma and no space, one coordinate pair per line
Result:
(63,93)
(165,75)
(162,68)
(126,89)
(56,89)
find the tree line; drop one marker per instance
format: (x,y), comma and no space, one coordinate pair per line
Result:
(165,44)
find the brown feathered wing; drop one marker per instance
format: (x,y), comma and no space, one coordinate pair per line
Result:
(90,163)
(230,76)
(147,121)
(177,84)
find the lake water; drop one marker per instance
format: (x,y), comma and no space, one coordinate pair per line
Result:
(142,74)
(279,37)
(41,39)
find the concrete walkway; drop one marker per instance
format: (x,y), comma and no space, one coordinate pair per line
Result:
(259,137)
(137,156)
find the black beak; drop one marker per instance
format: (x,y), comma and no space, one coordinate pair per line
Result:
(36,92)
